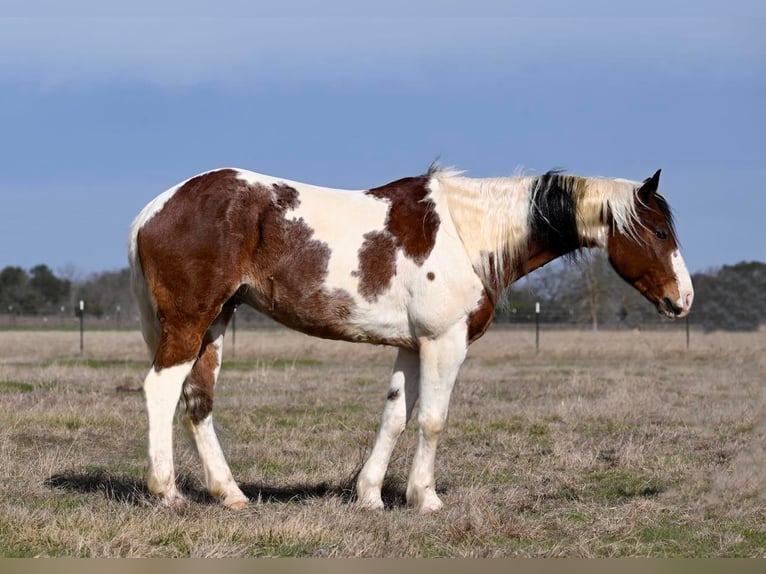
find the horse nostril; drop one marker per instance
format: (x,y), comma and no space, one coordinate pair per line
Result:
(670,306)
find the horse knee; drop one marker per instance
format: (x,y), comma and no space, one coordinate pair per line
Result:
(431,426)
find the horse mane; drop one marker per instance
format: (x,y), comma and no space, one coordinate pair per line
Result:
(497,219)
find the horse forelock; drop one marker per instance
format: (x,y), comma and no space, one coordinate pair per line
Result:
(667,213)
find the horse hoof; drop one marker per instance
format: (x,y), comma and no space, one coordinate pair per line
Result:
(426,503)
(370,504)
(178,503)
(433,506)
(237,505)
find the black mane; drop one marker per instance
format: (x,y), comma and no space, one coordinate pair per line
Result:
(553,212)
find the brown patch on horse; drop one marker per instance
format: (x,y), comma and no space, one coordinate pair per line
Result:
(430,276)
(191,279)
(480,318)
(288,269)
(412,217)
(411,225)
(234,233)
(377,263)
(199,387)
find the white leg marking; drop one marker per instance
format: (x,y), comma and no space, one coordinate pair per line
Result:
(440,361)
(402,394)
(684,282)
(162,390)
(218,478)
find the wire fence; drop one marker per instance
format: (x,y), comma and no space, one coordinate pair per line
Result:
(252,320)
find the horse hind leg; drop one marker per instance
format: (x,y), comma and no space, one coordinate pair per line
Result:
(198,394)
(402,394)
(162,388)
(178,347)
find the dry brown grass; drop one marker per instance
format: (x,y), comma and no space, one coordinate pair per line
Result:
(604,444)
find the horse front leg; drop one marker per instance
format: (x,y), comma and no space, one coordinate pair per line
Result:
(402,394)
(440,361)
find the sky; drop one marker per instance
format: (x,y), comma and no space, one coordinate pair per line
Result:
(103,108)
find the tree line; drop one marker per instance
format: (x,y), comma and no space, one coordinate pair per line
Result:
(585,292)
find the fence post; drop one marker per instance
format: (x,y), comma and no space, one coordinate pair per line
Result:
(537,327)
(82,323)
(234,333)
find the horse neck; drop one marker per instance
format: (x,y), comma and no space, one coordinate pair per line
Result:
(492,217)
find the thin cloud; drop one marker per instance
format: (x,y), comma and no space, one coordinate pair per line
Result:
(255,51)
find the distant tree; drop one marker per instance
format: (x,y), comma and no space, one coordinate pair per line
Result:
(13,281)
(732,297)
(16,295)
(591,272)
(107,293)
(51,290)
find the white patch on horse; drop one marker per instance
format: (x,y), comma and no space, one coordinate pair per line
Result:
(684,282)
(162,389)
(414,306)
(320,208)
(218,478)
(360,214)
(490,215)
(402,394)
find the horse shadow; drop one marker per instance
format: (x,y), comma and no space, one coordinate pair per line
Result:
(123,488)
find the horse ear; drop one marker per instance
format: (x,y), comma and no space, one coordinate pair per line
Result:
(649,187)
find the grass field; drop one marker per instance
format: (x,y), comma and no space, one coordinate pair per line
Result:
(604,444)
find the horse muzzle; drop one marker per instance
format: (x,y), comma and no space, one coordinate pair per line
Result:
(676,309)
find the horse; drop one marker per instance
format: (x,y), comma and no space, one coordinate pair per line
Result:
(418,264)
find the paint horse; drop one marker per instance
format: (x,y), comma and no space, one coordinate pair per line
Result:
(418,264)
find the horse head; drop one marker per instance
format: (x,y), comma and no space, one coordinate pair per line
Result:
(647,255)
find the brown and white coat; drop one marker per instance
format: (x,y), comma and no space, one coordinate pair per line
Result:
(418,263)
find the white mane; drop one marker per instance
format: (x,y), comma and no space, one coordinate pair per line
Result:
(492,215)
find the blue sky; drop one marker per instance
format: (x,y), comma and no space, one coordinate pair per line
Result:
(100,114)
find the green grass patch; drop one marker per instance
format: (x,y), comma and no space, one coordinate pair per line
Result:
(678,540)
(117,468)
(16,387)
(617,485)
(611,487)
(275,363)
(100,363)
(73,422)
(175,538)
(428,548)
(273,543)
(578,517)
(503,476)
(601,426)
(10,550)
(753,542)
(513,425)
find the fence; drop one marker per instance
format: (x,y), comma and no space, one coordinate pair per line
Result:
(248,319)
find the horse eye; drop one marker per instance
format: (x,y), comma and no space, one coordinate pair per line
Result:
(660,234)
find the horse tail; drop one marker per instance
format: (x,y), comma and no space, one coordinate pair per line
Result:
(150,324)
